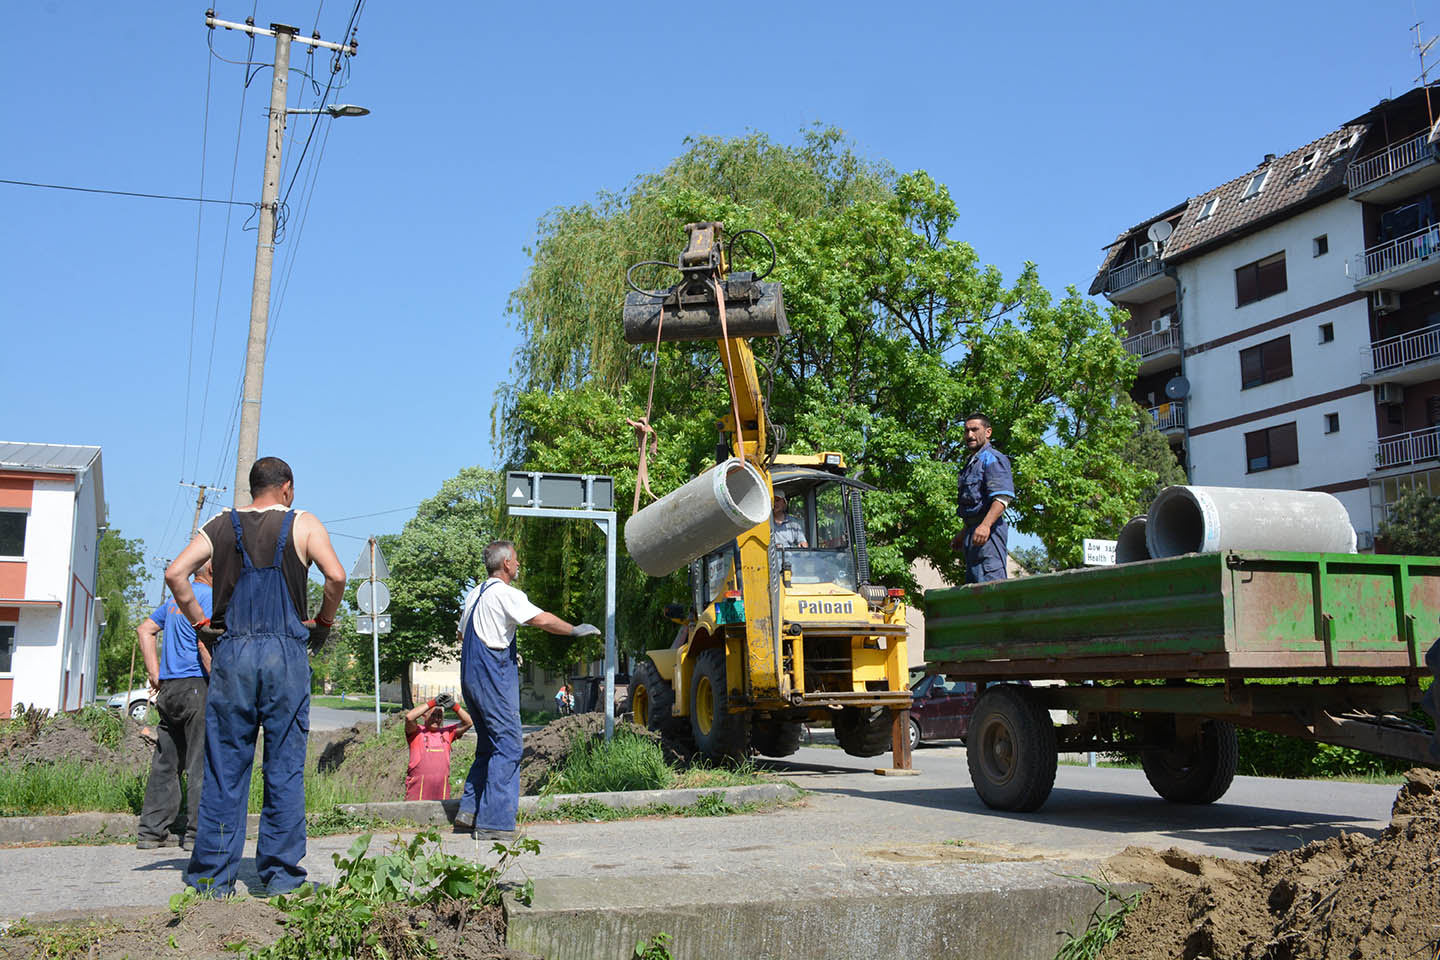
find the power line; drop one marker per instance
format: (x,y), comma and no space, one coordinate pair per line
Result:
(195,280)
(126,193)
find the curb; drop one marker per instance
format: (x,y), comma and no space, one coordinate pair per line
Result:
(442,812)
(76,826)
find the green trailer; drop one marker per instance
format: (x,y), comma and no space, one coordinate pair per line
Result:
(1167,657)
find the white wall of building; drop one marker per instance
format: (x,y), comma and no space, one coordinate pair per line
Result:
(1209,313)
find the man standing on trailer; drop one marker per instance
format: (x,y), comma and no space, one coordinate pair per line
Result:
(986,489)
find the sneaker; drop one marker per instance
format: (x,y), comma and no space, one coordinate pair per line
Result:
(483,834)
(146,843)
(465,821)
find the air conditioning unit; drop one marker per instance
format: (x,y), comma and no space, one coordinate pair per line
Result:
(1389,393)
(1160,324)
(1148,251)
(1385,301)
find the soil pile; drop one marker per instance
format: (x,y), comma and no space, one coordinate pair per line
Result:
(547,748)
(1346,897)
(62,737)
(375,763)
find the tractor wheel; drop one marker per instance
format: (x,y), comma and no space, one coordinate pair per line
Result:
(863,731)
(776,738)
(718,733)
(1011,749)
(1194,771)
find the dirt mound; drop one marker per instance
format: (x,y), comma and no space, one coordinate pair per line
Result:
(373,762)
(65,738)
(1345,897)
(547,748)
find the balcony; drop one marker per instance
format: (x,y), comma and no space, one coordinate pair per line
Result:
(1397,171)
(1401,264)
(1158,350)
(1137,281)
(1404,449)
(1412,357)
(1169,418)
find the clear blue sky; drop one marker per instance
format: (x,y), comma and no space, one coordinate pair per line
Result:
(1054,125)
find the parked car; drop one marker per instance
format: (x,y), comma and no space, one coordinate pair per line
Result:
(134,702)
(941,709)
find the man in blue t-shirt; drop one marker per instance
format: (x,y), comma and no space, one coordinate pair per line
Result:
(986,489)
(179,673)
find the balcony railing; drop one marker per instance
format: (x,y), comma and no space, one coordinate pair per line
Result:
(1413,347)
(1148,344)
(1400,252)
(1169,416)
(1129,274)
(1406,448)
(1395,157)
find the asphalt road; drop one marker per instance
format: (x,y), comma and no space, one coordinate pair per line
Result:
(855,828)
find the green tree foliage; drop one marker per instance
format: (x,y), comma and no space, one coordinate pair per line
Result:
(1148,449)
(898,332)
(1413,525)
(121,586)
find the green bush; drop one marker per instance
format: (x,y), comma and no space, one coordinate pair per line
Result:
(107,729)
(627,762)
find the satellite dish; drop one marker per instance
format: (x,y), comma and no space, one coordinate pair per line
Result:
(1178,388)
(1159,231)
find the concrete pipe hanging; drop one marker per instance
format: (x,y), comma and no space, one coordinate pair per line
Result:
(685,524)
(1208,519)
(1130,545)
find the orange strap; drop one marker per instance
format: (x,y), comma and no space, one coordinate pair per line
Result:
(643,430)
(729,377)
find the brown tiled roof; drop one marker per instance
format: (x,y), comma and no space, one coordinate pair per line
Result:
(1284,195)
(1112,252)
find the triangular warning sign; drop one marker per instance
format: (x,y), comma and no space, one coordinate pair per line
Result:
(519,493)
(361,570)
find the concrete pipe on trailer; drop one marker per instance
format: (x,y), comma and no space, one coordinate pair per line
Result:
(711,510)
(1209,519)
(1130,545)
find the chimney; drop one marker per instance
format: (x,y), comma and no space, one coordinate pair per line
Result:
(1268,158)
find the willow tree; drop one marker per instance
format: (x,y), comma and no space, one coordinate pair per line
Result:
(898,332)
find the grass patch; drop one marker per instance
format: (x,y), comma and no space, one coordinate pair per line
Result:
(62,939)
(537,717)
(703,776)
(355,701)
(1103,925)
(69,786)
(591,810)
(627,762)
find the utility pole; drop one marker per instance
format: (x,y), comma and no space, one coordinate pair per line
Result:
(249,436)
(199,503)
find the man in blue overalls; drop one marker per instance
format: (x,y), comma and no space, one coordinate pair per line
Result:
(259,677)
(490,683)
(986,489)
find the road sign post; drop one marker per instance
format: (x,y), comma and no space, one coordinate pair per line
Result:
(576,496)
(373,598)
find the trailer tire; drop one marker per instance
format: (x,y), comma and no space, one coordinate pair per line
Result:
(1011,749)
(863,731)
(1191,772)
(776,738)
(718,733)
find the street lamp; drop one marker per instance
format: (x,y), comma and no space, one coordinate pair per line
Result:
(336,110)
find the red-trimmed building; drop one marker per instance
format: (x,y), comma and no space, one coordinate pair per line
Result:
(52,515)
(1300,303)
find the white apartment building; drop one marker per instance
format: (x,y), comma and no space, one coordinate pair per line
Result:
(52,514)
(1287,321)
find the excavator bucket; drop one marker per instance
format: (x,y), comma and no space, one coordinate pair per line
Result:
(689,311)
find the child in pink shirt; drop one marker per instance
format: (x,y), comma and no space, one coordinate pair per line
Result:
(428,776)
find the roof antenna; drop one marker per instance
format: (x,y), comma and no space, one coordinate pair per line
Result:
(1421,49)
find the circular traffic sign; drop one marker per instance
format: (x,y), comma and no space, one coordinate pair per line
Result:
(379,602)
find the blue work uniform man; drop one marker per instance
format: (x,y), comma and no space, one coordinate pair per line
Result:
(490,683)
(177,667)
(259,677)
(986,489)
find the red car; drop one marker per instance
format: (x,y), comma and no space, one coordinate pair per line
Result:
(941,709)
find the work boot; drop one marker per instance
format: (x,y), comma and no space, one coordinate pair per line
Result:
(464,821)
(483,834)
(148,843)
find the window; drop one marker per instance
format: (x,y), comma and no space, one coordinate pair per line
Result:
(1207,209)
(1261,279)
(1395,414)
(1265,363)
(1321,245)
(7,647)
(1256,184)
(1307,163)
(1345,141)
(1332,423)
(1327,332)
(1271,448)
(12,533)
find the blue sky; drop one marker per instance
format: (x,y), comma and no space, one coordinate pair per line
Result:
(1055,125)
